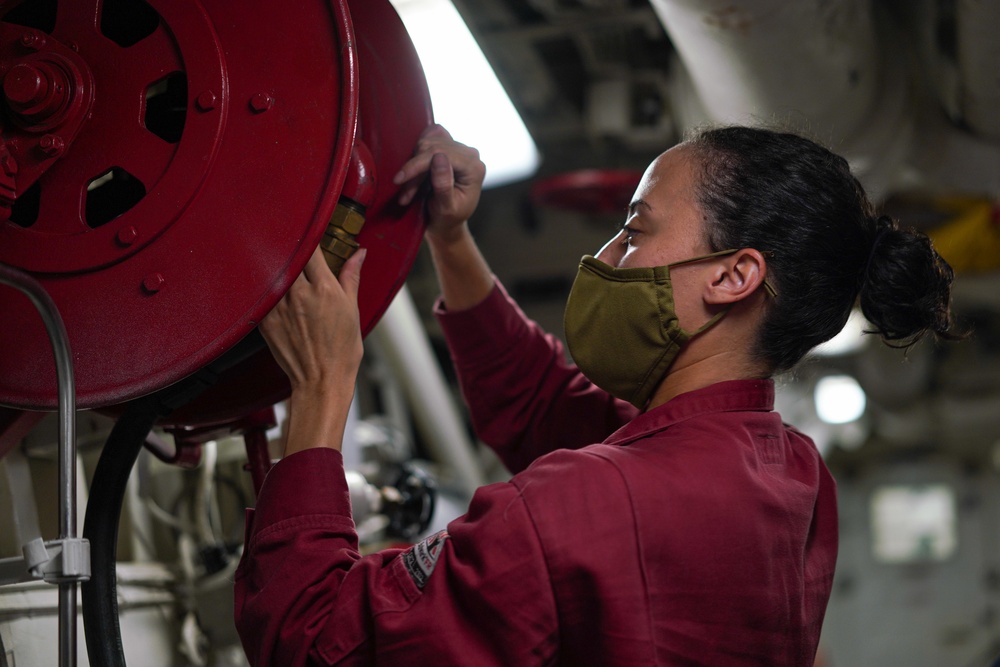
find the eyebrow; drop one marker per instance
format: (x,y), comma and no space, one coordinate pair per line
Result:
(639,202)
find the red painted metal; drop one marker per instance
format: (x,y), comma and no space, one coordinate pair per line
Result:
(231,211)
(361,182)
(258,457)
(253,426)
(394,108)
(8,181)
(601,191)
(48,90)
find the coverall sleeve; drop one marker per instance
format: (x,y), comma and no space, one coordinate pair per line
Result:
(475,594)
(524,397)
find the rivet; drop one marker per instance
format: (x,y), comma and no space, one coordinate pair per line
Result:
(261,102)
(127,235)
(32,40)
(52,145)
(153,282)
(206,100)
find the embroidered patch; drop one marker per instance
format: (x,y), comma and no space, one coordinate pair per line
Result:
(422,557)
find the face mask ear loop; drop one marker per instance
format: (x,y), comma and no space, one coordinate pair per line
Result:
(722,313)
(701,258)
(767,285)
(646,391)
(712,322)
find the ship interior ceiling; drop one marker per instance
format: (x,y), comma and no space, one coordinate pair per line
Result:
(907,90)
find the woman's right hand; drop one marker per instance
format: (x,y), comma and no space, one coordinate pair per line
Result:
(456,181)
(314,333)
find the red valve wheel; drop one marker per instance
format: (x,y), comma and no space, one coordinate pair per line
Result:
(212,146)
(597,191)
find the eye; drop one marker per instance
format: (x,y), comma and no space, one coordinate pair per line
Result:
(630,233)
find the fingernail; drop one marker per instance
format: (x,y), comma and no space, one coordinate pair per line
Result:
(398,178)
(361,260)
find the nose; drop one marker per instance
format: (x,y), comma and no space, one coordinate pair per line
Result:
(613,250)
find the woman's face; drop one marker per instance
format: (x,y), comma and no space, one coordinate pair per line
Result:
(664,223)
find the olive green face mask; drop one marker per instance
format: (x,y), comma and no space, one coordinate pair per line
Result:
(621,327)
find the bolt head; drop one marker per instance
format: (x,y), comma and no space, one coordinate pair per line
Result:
(32,40)
(153,282)
(127,235)
(52,145)
(261,102)
(206,101)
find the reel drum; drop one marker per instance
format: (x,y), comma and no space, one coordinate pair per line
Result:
(167,169)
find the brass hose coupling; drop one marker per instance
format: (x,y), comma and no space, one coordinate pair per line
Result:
(340,240)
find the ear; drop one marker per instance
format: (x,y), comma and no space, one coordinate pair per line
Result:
(736,277)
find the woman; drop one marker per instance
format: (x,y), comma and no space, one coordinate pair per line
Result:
(661,513)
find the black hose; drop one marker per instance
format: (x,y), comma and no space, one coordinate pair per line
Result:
(100,527)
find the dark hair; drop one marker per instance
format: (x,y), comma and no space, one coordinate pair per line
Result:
(785,194)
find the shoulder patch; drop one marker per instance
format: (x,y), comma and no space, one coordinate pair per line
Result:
(421,559)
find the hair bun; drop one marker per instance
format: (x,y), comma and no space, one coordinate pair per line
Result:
(906,285)
(883,225)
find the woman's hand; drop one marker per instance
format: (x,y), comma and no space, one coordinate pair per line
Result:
(456,179)
(314,334)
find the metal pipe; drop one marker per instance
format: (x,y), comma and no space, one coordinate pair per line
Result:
(67,442)
(203,498)
(408,352)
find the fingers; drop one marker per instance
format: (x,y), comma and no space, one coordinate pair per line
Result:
(350,274)
(410,190)
(435,130)
(464,161)
(316,269)
(442,181)
(431,140)
(319,313)
(414,168)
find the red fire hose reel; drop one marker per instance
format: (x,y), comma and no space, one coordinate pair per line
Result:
(168,166)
